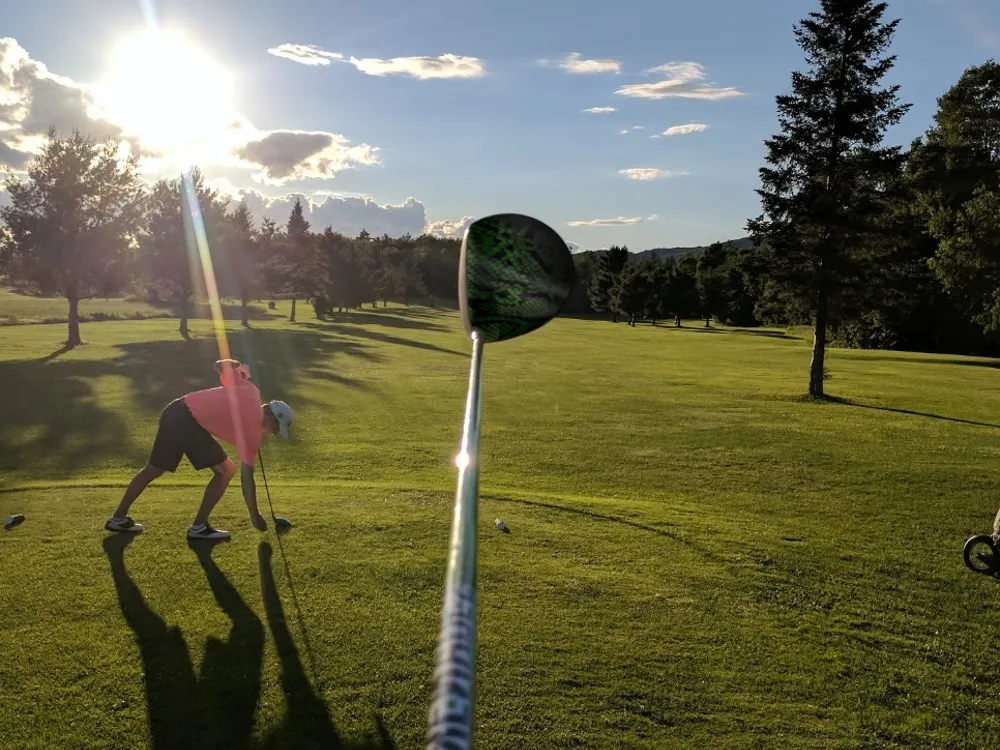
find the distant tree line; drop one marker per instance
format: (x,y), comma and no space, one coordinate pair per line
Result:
(83,224)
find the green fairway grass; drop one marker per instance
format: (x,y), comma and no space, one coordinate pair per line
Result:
(699,556)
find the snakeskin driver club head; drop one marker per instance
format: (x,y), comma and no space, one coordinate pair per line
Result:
(516,274)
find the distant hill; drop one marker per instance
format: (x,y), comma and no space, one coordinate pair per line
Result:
(744,243)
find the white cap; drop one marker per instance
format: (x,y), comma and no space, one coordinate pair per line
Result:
(283,413)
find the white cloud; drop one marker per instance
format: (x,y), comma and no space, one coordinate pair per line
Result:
(307,54)
(573,247)
(345,214)
(33,99)
(683,79)
(648,173)
(691,127)
(653,217)
(600,110)
(575,63)
(621,221)
(626,131)
(444,66)
(299,154)
(448,228)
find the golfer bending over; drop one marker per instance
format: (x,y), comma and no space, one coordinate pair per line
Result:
(233,413)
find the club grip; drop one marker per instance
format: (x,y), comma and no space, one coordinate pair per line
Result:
(453,704)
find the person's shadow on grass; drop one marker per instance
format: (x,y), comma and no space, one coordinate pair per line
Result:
(215,709)
(307,722)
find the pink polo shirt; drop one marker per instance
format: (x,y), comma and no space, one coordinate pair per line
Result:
(231,412)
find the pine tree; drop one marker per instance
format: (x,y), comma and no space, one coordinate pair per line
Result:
(603,285)
(299,265)
(824,188)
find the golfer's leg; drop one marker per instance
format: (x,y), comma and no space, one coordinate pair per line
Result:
(222,475)
(135,488)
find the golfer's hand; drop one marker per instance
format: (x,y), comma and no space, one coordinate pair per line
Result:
(258,522)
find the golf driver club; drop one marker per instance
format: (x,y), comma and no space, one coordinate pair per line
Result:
(515,275)
(280,523)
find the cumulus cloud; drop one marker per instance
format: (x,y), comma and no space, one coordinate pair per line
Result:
(682,79)
(299,154)
(626,131)
(691,127)
(448,228)
(648,173)
(12,157)
(621,221)
(307,54)
(33,99)
(575,63)
(444,66)
(347,214)
(600,110)
(573,247)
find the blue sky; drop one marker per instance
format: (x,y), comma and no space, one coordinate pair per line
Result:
(515,138)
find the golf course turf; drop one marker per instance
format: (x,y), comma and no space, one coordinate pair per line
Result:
(698,556)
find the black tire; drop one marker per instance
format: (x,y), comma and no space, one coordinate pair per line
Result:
(981,554)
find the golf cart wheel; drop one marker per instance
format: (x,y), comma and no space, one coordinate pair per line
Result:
(981,554)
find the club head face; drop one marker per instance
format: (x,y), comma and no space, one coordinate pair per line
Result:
(282,524)
(515,274)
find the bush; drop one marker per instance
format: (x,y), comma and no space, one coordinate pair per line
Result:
(321,306)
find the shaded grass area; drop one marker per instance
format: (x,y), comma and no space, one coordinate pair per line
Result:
(699,557)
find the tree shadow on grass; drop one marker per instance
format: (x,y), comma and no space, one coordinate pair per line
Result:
(358,332)
(65,427)
(989,364)
(783,335)
(52,419)
(847,402)
(603,517)
(388,317)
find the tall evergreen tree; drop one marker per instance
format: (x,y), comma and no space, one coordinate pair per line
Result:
(300,256)
(712,281)
(606,276)
(823,191)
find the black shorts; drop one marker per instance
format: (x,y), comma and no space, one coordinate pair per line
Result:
(179,434)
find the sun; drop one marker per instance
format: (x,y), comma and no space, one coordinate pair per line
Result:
(164,89)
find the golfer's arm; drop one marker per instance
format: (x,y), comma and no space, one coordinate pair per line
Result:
(249,488)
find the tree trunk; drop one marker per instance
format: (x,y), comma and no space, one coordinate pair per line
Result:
(385,303)
(374,304)
(244,313)
(185,333)
(432,303)
(708,321)
(816,367)
(677,321)
(291,318)
(73,339)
